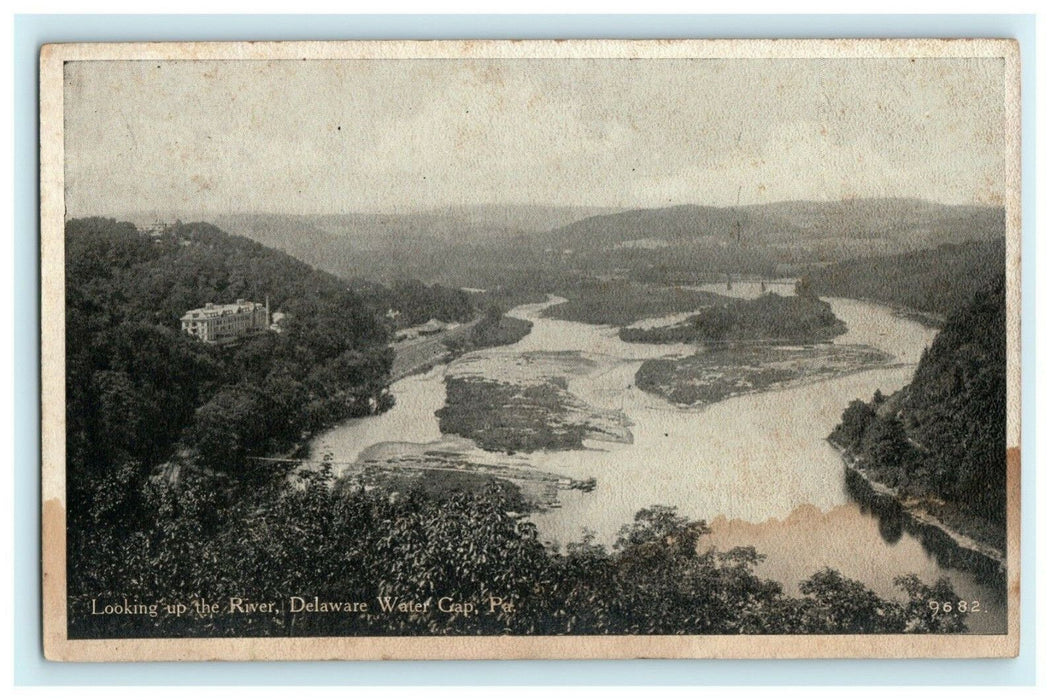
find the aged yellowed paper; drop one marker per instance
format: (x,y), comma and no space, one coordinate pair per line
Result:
(537,349)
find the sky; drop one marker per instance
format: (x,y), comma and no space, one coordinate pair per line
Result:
(325,136)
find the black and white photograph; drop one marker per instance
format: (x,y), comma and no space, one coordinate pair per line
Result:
(491,349)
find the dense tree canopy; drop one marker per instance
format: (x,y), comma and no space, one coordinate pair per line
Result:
(418,302)
(140,393)
(315,540)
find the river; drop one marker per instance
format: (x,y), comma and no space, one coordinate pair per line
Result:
(756,467)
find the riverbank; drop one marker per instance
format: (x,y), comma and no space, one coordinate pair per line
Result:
(735,370)
(945,537)
(925,318)
(422,354)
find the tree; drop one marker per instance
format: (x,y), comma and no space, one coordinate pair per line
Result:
(844,606)
(890,454)
(855,421)
(660,525)
(226,429)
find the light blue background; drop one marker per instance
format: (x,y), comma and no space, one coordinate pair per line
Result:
(33,30)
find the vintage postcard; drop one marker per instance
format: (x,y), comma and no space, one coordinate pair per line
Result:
(490,349)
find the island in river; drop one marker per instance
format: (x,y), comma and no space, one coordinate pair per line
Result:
(766,343)
(523,403)
(719,373)
(770,317)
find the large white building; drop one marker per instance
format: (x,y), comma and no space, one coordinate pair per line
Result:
(225,323)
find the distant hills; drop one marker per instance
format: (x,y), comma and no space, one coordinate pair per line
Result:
(486,245)
(329,241)
(888,224)
(383,247)
(694,244)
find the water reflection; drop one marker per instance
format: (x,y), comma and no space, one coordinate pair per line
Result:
(893,520)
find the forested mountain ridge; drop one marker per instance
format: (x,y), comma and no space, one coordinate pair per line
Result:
(936,281)
(941,440)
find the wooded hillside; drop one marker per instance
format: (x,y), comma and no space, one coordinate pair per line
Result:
(944,434)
